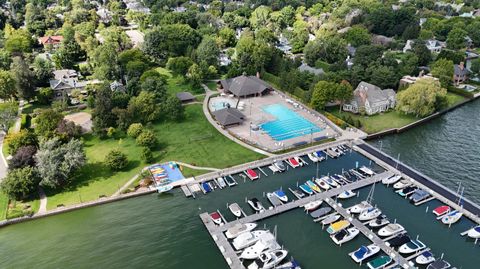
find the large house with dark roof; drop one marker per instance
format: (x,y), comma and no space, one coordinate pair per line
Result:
(460,73)
(371,99)
(67,80)
(245,86)
(228,116)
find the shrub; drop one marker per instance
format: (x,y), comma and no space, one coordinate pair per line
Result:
(147,155)
(147,139)
(20,139)
(110,132)
(134,130)
(23,157)
(20,183)
(116,160)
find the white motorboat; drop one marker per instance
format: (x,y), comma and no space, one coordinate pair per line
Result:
(235,209)
(248,238)
(391,180)
(279,165)
(313,205)
(256,205)
(330,219)
(321,182)
(367,171)
(364,252)
(346,194)
(391,229)
(331,182)
(425,258)
(344,235)
(401,184)
(221,182)
(239,228)
(358,208)
(258,248)
(280,194)
(474,232)
(452,217)
(312,157)
(273,199)
(268,259)
(370,214)
(411,247)
(439,264)
(378,222)
(299,160)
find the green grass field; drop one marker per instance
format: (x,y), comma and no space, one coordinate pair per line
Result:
(192,141)
(177,83)
(3,206)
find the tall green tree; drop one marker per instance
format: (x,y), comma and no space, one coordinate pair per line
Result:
(208,51)
(330,50)
(443,70)
(102,115)
(422,98)
(456,39)
(46,123)
(20,183)
(7,85)
(70,51)
(24,78)
(358,36)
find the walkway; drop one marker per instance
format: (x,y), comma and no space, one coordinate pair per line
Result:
(43,201)
(3,162)
(209,93)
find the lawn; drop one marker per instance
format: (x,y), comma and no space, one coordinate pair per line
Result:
(454,99)
(177,83)
(3,205)
(192,141)
(212,85)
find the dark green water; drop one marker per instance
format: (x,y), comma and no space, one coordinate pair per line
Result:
(165,232)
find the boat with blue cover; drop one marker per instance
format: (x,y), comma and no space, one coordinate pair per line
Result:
(206,187)
(419,195)
(411,247)
(364,252)
(281,195)
(474,232)
(306,189)
(321,155)
(425,258)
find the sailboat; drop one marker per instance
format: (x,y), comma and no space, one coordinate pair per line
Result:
(452,217)
(364,205)
(370,214)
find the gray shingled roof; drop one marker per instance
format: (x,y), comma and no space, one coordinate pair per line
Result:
(459,71)
(244,85)
(185,96)
(373,93)
(228,116)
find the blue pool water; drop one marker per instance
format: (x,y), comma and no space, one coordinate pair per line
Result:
(287,124)
(220,105)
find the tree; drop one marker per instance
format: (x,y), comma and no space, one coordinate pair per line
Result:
(260,17)
(475,67)
(365,55)
(156,85)
(43,70)
(70,51)
(208,51)
(147,155)
(344,93)
(358,36)
(104,61)
(423,53)
(23,157)
(134,130)
(456,39)
(45,95)
(24,78)
(7,85)
(422,98)
(143,108)
(116,160)
(330,50)
(68,129)
(382,76)
(443,70)
(323,92)
(226,37)
(20,183)
(102,115)
(411,32)
(8,114)
(46,123)
(17,41)
(195,75)
(20,139)
(173,108)
(57,162)
(147,139)
(179,65)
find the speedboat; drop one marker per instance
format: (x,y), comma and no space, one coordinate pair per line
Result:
(474,232)
(441,210)
(320,182)
(379,262)
(370,214)
(320,212)
(346,194)
(273,199)
(279,165)
(338,226)
(398,240)
(439,264)
(298,193)
(452,217)
(425,258)
(206,187)
(358,208)
(313,205)
(239,228)
(364,252)
(419,195)
(293,264)
(312,157)
(281,195)
(320,155)
(344,235)
(248,238)
(391,229)
(378,222)
(293,162)
(262,245)
(256,205)
(268,259)
(306,189)
(406,191)
(338,179)
(216,218)
(391,180)
(235,209)
(230,181)
(411,247)
(221,182)
(330,219)
(313,186)
(300,161)
(367,171)
(401,184)
(252,175)
(331,182)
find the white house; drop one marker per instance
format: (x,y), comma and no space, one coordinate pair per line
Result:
(435,46)
(371,99)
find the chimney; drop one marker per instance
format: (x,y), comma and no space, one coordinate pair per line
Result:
(258,74)
(461,65)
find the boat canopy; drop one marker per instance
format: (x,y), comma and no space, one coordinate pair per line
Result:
(361,252)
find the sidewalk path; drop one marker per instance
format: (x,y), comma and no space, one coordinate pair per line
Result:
(43,201)
(3,162)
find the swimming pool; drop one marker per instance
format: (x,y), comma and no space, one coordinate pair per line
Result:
(288,124)
(221,103)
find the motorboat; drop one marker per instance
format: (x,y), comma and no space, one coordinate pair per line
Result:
(367,171)
(306,189)
(338,226)
(320,182)
(216,218)
(370,214)
(391,180)
(364,252)
(411,247)
(320,212)
(249,238)
(293,264)
(293,162)
(419,195)
(206,187)
(407,191)
(300,161)
(344,235)
(312,157)
(268,259)
(320,155)
(230,181)
(474,232)
(339,179)
(379,262)
(440,264)
(298,193)
(279,165)
(281,195)
(256,205)
(235,209)
(252,175)
(452,217)
(273,199)
(425,258)
(391,229)
(346,194)
(378,222)
(398,240)
(221,182)
(441,210)
(358,208)
(313,186)
(313,205)
(331,182)
(268,242)
(402,184)
(330,219)
(239,228)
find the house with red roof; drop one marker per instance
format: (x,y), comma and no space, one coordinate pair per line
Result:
(53,41)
